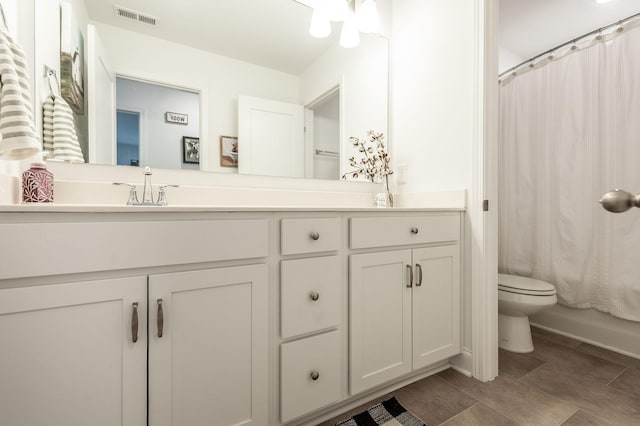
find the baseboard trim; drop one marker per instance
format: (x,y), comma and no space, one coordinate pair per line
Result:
(463,363)
(593,327)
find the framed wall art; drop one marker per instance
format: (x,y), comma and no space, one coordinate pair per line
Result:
(228,151)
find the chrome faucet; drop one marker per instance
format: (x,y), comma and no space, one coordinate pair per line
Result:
(147,192)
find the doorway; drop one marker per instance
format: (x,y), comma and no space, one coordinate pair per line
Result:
(128,138)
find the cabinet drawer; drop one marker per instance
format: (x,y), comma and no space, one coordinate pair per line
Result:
(300,362)
(310,235)
(302,281)
(396,231)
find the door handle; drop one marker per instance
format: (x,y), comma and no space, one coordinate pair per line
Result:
(410,283)
(160,319)
(134,322)
(419,274)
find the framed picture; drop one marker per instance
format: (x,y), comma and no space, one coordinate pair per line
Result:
(71,60)
(228,151)
(190,150)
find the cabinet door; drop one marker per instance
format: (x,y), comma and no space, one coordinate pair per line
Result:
(209,364)
(436,304)
(380,318)
(68,357)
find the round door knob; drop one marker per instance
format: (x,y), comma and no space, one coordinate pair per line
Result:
(315,375)
(314,295)
(315,236)
(414,230)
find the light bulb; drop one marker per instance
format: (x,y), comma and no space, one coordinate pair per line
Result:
(336,10)
(368,18)
(350,36)
(320,25)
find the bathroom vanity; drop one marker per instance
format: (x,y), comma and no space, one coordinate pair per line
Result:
(220,316)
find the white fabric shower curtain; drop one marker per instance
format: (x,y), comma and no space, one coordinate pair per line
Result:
(570,131)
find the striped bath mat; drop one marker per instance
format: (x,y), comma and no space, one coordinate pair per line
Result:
(387,413)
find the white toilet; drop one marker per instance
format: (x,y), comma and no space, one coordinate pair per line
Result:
(519,297)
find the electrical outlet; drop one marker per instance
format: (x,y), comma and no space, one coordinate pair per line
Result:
(403,172)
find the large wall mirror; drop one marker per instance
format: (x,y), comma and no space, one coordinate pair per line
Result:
(228,86)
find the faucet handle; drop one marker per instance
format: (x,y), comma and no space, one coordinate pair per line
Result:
(162,196)
(133,193)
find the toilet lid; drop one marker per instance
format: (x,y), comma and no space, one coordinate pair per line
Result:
(524,285)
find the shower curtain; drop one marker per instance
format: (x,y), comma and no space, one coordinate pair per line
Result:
(570,131)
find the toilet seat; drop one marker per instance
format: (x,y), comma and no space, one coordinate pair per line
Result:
(523,285)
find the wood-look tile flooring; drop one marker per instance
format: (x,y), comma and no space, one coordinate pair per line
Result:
(563,382)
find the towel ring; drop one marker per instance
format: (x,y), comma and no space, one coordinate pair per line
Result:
(48,73)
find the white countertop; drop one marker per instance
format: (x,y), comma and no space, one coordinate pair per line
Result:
(107,208)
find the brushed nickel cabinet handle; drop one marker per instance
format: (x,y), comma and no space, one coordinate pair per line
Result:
(314,295)
(414,230)
(410,283)
(315,375)
(315,236)
(134,322)
(160,320)
(419,274)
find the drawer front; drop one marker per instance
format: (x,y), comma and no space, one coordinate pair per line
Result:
(101,246)
(395,231)
(300,361)
(310,295)
(310,235)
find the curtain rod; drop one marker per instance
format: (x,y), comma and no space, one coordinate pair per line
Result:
(573,40)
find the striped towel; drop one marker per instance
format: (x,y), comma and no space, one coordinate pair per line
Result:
(18,138)
(60,140)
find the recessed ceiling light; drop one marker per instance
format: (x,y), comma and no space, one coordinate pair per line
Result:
(603,1)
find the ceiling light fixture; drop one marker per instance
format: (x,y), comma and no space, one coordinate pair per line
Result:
(350,36)
(603,1)
(357,15)
(368,18)
(320,25)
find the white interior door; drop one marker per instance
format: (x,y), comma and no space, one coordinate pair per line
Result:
(101,102)
(270,137)
(68,356)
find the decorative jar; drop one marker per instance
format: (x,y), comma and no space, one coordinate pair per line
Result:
(37,184)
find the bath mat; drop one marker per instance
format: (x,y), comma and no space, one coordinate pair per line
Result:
(387,413)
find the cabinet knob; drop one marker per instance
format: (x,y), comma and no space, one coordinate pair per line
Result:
(414,230)
(315,236)
(315,375)
(314,295)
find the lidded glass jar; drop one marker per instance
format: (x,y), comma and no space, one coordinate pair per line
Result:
(37,184)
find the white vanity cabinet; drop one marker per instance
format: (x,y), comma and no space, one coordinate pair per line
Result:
(68,355)
(208,353)
(404,305)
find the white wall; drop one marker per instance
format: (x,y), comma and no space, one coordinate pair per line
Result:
(161,146)
(218,79)
(362,74)
(508,59)
(433,107)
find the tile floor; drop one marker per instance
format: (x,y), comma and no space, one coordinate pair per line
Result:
(563,382)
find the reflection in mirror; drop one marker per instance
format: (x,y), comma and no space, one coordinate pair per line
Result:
(222,54)
(151,122)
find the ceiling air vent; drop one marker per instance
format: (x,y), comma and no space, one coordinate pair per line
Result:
(134,15)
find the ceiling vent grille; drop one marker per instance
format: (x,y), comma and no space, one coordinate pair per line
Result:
(134,15)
